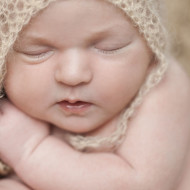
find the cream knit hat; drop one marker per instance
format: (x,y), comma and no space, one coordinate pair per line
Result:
(15,14)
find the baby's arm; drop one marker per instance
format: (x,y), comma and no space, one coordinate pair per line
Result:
(151,157)
(10,184)
(44,162)
(157,142)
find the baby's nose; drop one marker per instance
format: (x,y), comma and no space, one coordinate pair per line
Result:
(73,68)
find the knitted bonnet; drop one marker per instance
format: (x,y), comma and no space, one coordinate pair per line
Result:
(145,16)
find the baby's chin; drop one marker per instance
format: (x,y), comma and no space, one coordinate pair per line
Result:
(75,130)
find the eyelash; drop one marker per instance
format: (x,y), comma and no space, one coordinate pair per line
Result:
(39,56)
(111,51)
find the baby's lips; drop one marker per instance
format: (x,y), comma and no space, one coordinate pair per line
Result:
(74,106)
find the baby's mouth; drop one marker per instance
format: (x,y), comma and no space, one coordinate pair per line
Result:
(77,104)
(74,107)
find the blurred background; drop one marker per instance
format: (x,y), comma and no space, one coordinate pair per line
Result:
(178,12)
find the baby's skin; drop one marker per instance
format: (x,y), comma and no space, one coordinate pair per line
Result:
(154,154)
(61,80)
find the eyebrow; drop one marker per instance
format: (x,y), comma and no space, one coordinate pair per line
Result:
(26,41)
(110,32)
(33,39)
(36,39)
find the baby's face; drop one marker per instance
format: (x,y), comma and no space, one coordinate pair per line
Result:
(77,65)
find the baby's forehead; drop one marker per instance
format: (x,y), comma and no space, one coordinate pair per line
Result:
(95,23)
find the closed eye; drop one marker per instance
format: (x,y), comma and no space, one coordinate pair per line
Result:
(111,50)
(37,56)
(41,55)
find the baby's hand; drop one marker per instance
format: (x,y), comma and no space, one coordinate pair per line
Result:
(19,133)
